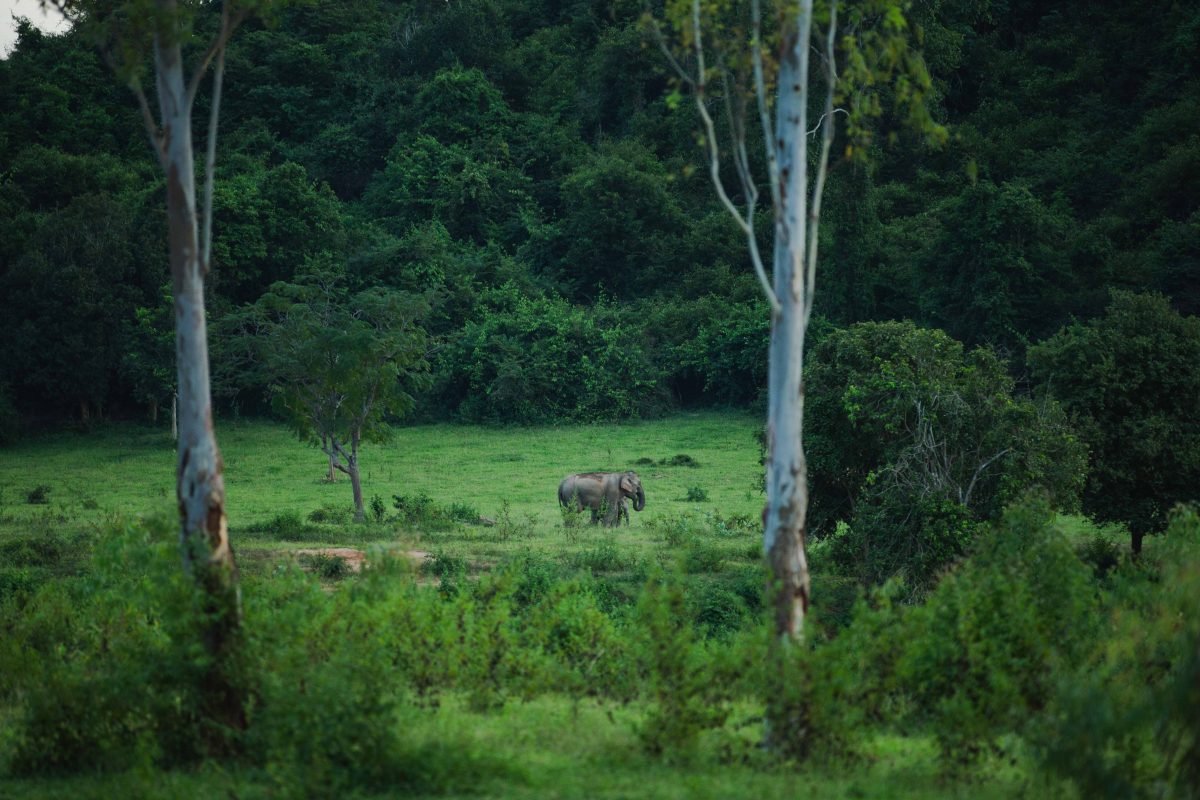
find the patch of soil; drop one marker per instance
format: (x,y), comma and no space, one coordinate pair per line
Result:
(356,559)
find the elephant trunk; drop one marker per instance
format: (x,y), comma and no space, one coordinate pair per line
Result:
(639,500)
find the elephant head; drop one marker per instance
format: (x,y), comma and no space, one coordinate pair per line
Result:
(631,486)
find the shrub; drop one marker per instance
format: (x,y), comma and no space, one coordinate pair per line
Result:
(327,567)
(985,647)
(286,526)
(38,495)
(702,556)
(421,511)
(904,418)
(696,495)
(687,693)
(336,515)
(1126,723)
(377,508)
(719,611)
(603,556)
(520,361)
(681,460)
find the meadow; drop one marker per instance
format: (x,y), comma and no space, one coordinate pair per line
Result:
(541,742)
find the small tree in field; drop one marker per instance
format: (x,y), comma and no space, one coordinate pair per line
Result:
(748,65)
(339,364)
(130,33)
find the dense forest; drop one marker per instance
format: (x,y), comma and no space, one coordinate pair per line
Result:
(523,165)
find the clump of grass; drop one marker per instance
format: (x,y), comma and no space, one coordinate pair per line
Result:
(696,495)
(703,557)
(286,526)
(38,495)
(680,460)
(645,462)
(604,556)
(90,504)
(331,515)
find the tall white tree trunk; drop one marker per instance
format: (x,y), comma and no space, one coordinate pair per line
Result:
(787,469)
(200,487)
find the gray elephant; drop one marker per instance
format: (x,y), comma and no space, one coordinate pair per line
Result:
(602,491)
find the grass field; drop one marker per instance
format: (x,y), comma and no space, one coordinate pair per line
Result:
(511,474)
(551,748)
(548,747)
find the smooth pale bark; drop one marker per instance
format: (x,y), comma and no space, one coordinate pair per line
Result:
(787,468)
(174,418)
(200,486)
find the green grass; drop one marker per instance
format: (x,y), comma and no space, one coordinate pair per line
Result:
(555,748)
(549,747)
(511,474)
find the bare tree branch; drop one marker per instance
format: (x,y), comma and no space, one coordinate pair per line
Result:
(818,190)
(714,163)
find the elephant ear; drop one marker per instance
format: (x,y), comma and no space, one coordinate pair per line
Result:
(627,485)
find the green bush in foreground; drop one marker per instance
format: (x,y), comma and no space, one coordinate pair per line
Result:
(1127,724)
(1021,643)
(986,646)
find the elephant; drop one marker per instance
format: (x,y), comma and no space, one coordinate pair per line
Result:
(602,491)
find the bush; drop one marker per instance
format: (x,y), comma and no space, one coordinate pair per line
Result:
(421,511)
(38,495)
(1127,722)
(327,567)
(696,495)
(719,611)
(335,515)
(377,508)
(986,646)
(529,360)
(286,526)
(688,692)
(911,440)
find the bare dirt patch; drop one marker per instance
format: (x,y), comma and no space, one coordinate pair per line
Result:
(357,559)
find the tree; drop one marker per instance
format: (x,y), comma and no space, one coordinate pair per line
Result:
(149,350)
(753,66)
(1130,383)
(913,440)
(128,33)
(340,365)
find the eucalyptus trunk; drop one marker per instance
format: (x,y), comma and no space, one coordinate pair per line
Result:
(200,487)
(787,469)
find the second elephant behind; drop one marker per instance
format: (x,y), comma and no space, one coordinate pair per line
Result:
(603,493)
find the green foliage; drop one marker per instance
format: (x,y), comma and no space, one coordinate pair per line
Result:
(1126,723)
(1128,382)
(986,647)
(912,441)
(696,495)
(38,495)
(420,511)
(539,359)
(328,567)
(377,508)
(688,691)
